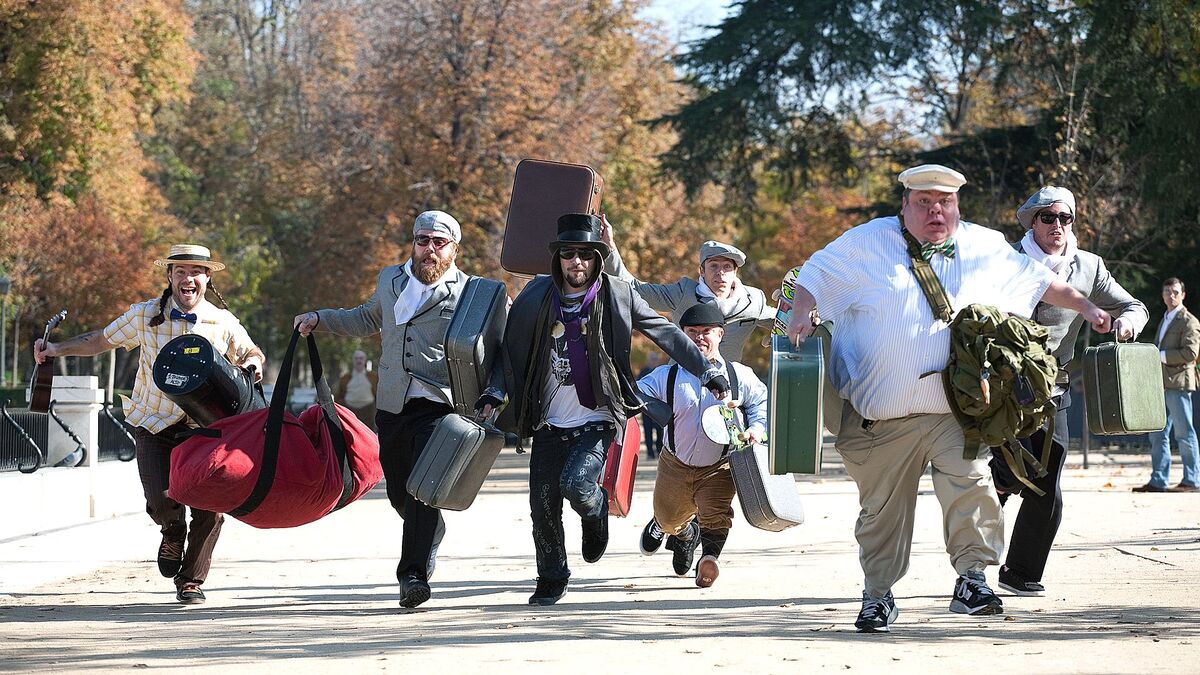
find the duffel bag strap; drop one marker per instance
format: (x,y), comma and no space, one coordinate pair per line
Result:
(333,423)
(270,458)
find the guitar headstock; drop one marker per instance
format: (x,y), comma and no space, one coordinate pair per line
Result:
(55,320)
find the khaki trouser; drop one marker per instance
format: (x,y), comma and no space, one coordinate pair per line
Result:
(887,460)
(682,491)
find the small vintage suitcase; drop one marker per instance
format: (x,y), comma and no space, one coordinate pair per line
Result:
(620,469)
(769,502)
(1123,388)
(543,191)
(473,340)
(796,390)
(831,401)
(454,463)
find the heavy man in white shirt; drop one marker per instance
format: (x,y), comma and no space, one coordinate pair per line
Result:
(887,354)
(694,480)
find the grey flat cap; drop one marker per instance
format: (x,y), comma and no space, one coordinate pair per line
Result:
(715,249)
(1042,199)
(431,222)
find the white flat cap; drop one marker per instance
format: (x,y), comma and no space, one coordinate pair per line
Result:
(1042,199)
(932,177)
(438,221)
(716,249)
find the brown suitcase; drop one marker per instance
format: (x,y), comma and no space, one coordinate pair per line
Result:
(543,191)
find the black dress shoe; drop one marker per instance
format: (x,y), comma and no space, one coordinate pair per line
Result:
(413,591)
(548,592)
(595,536)
(684,549)
(1184,487)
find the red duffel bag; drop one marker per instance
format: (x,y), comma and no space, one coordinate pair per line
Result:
(269,468)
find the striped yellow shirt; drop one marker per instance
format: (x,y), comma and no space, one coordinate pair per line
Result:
(148,407)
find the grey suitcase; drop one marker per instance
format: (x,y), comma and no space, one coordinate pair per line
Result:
(1123,388)
(769,502)
(454,463)
(473,340)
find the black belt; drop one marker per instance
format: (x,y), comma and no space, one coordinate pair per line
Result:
(567,433)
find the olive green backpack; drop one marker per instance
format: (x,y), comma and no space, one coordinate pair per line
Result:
(999,378)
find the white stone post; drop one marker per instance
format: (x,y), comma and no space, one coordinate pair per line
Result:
(77,401)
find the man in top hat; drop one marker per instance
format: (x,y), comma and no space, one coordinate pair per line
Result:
(565,368)
(885,360)
(185,553)
(1047,217)
(694,480)
(412,306)
(717,282)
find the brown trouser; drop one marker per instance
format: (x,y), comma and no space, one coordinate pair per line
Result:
(682,491)
(886,459)
(154,468)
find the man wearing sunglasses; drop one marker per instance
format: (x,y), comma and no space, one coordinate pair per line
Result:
(1048,216)
(411,307)
(565,368)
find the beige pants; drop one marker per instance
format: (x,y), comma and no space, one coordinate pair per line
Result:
(682,491)
(887,461)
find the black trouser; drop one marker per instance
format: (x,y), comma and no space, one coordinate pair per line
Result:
(565,463)
(402,437)
(653,435)
(154,469)
(1038,520)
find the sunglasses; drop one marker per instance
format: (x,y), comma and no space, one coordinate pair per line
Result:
(436,242)
(581,253)
(1048,217)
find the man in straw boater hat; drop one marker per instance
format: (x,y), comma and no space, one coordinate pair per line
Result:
(886,358)
(566,370)
(185,552)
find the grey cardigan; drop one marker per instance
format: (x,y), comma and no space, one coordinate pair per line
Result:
(1089,276)
(750,311)
(412,351)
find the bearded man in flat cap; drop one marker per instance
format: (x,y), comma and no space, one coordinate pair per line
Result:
(886,353)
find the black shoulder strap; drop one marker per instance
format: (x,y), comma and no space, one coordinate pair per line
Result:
(671,375)
(939,302)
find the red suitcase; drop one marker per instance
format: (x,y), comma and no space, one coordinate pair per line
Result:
(543,191)
(620,469)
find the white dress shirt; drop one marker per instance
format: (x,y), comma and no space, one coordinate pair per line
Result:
(888,349)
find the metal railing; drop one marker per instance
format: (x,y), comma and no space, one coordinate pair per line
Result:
(22,439)
(116,437)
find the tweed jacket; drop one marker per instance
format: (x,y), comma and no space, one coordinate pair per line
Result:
(1180,346)
(412,351)
(525,351)
(751,309)
(1089,276)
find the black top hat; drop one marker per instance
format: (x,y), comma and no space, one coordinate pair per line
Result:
(579,229)
(702,314)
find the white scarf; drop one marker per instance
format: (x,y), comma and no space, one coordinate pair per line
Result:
(415,293)
(726,305)
(1059,264)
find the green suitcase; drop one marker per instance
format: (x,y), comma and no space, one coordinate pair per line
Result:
(797,381)
(1123,388)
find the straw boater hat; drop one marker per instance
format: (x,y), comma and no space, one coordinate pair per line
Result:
(190,254)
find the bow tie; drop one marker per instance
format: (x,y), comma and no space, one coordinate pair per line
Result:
(946,248)
(177,315)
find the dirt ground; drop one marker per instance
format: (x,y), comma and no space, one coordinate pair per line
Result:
(1122,594)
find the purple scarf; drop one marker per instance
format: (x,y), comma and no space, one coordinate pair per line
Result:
(576,344)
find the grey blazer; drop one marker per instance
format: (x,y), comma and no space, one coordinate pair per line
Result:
(751,309)
(1089,276)
(412,351)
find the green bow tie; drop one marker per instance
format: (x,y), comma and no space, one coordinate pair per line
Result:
(946,248)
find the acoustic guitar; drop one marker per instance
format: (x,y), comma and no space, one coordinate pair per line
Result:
(43,373)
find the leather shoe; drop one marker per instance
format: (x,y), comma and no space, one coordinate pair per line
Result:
(190,594)
(1184,487)
(170,554)
(1149,488)
(595,536)
(413,591)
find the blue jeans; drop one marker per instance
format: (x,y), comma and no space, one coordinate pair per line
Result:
(565,465)
(1179,419)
